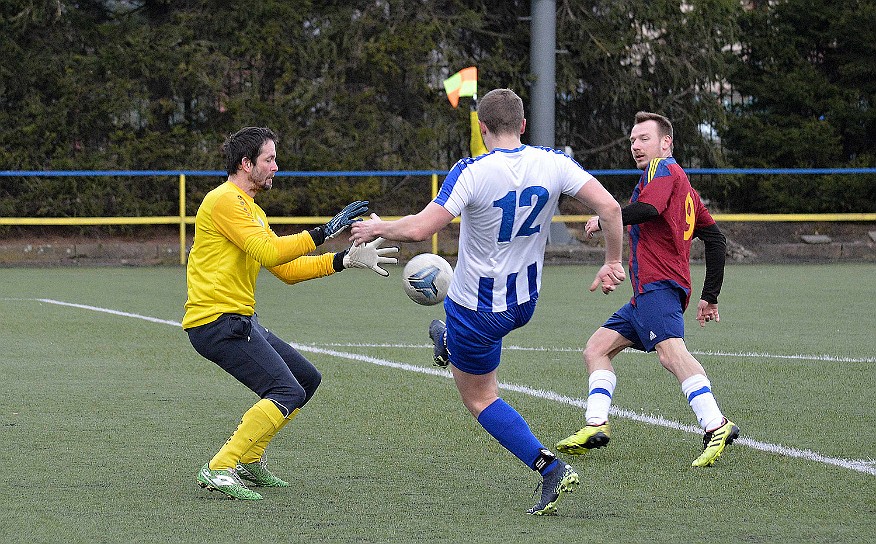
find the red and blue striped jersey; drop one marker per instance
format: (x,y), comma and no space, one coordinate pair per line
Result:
(660,247)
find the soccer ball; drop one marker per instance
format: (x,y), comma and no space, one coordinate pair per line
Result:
(426,278)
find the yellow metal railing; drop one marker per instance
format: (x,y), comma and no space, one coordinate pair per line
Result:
(182,219)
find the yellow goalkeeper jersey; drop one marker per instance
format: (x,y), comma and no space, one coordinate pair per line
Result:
(232,242)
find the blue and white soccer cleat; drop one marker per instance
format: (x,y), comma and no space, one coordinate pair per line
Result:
(438,334)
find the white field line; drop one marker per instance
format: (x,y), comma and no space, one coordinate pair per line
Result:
(867,466)
(748,354)
(108,311)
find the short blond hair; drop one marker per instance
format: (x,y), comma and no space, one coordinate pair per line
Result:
(502,111)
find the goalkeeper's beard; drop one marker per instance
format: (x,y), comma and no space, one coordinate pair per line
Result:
(264,184)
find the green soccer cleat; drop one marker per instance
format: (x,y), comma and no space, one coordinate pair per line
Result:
(438,334)
(259,475)
(562,479)
(226,482)
(714,443)
(589,438)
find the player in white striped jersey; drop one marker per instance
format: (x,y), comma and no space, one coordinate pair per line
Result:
(505,199)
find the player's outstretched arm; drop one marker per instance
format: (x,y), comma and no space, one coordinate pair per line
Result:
(370,256)
(410,228)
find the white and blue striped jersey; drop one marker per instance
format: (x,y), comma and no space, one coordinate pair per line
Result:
(506,199)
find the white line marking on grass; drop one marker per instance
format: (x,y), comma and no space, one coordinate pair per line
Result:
(108,311)
(757,355)
(748,354)
(867,466)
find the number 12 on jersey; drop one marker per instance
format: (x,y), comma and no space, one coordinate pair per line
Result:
(508,204)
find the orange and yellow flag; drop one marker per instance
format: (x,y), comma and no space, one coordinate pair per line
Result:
(462,83)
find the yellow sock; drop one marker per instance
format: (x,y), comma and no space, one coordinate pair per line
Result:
(258,448)
(264,417)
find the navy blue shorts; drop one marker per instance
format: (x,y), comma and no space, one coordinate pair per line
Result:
(258,359)
(657,315)
(474,339)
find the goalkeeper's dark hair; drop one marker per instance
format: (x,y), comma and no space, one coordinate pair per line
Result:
(246,143)
(502,111)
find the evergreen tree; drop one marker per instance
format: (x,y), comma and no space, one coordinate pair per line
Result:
(159,84)
(806,81)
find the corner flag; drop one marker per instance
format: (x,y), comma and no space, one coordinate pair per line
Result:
(462,83)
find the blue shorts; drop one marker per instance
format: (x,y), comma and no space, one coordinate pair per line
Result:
(656,316)
(474,339)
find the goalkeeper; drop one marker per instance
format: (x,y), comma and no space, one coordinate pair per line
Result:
(232,242)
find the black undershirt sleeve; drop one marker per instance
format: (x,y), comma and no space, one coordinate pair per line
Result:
(635,213)
(712,237)
(638,212)
(716,249)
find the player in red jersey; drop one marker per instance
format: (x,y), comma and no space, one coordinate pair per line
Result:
(664,215)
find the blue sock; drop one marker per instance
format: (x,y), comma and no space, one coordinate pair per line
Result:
(511,430)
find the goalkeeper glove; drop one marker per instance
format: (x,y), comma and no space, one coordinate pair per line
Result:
(370,255)
(339,222)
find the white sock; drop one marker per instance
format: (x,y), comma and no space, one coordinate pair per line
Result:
(601,388)
(698,391)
